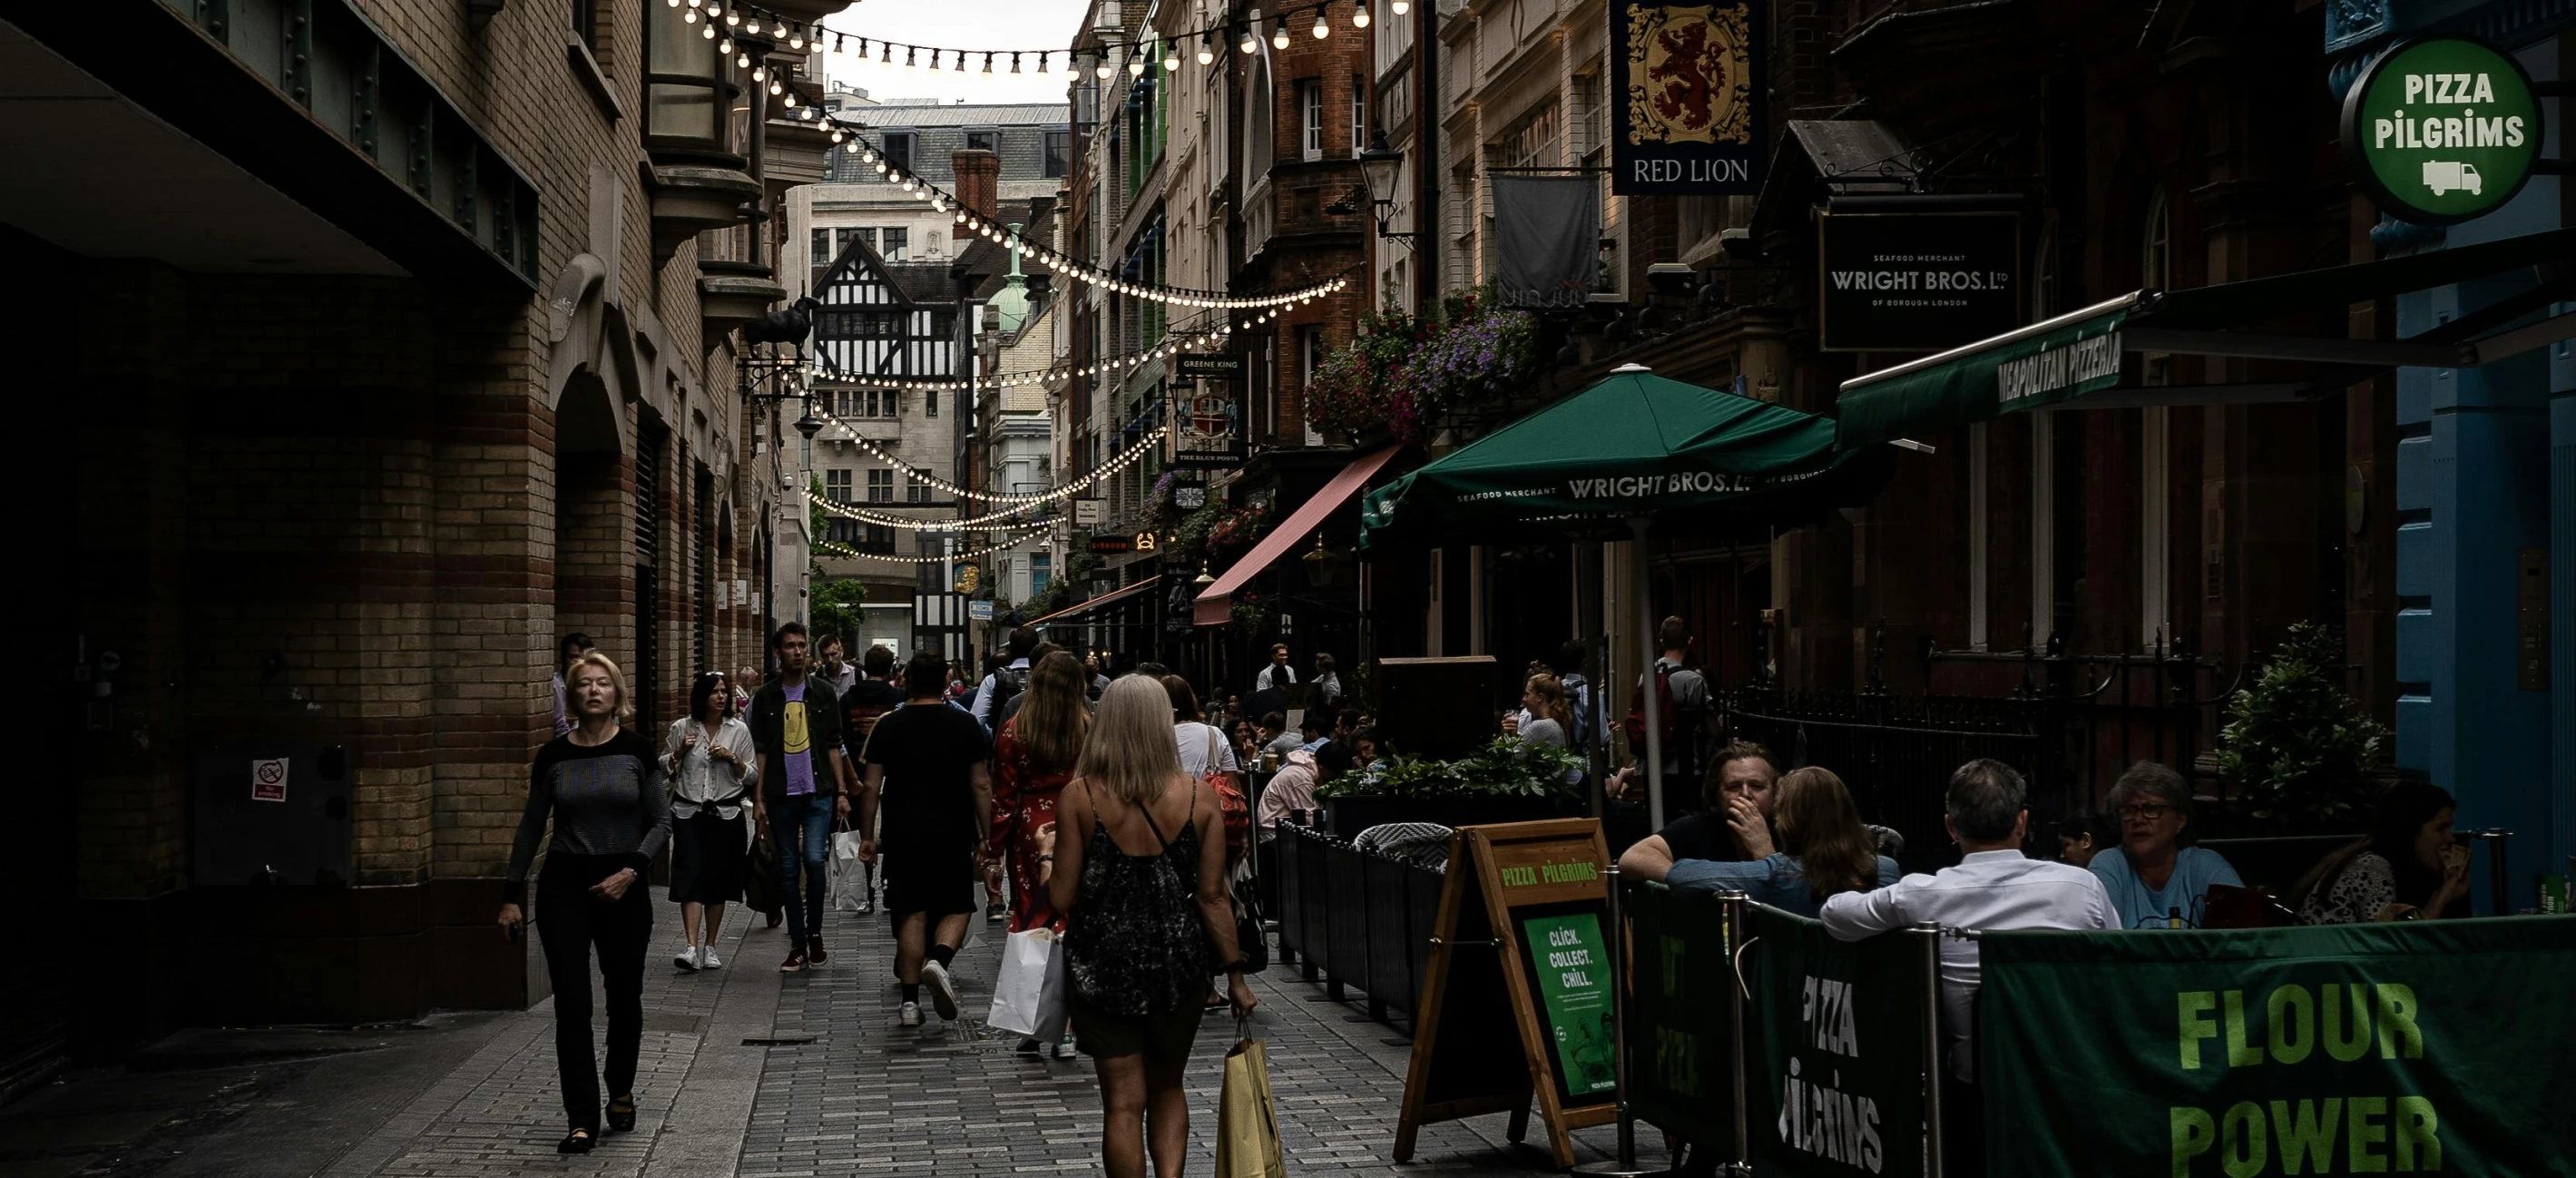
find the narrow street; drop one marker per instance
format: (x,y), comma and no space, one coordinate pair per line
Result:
(744,1072)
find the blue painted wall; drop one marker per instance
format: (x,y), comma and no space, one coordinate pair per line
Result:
(2487,468)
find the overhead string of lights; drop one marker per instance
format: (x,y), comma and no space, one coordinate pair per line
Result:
(1057,493)
(1014,505)
(754,21)
(1168,49)
(847,552)
(941,200)
(1173,344)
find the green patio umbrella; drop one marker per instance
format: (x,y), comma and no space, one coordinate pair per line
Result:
(1631,453)
(1690,460)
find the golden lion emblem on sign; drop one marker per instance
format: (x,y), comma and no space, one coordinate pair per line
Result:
(1690,74)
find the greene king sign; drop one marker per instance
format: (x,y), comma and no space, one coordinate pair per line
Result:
(2442,129)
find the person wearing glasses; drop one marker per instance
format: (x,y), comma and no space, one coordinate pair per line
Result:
(2156,878)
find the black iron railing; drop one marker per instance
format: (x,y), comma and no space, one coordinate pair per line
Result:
(1354,919)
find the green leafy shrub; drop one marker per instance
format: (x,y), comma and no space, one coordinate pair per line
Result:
(1508,768)
(2296,749)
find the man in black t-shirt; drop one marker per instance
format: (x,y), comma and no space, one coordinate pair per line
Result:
(874,695)
(1738,791)
(927,776)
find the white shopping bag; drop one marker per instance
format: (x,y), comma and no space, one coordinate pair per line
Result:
(1028,996)
(849,876)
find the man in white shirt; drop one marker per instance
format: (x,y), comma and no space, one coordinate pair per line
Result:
(1278,674)
(1994,887)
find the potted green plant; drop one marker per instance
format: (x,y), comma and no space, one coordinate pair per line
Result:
(2301,761)
(1509,780)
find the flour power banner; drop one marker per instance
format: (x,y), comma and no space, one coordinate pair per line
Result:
(2420,1047)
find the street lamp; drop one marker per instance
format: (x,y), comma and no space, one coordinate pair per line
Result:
(1380,167)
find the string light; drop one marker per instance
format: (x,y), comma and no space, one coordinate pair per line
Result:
(848,553)
(1014,505)
(1249,45)
(1279,38)
(1078,271)
(1321,30)
(1397,7)
(1359,14)
(1171,57)
(1207,49)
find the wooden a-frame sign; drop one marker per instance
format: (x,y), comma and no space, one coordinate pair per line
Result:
(1505,882)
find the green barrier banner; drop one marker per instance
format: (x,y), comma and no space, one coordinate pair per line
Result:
(1836,1048)
(1574,983)
(1681,1059)
(2420,1047)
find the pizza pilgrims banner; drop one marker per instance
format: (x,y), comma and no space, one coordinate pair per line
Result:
(1836,1051)
(1687,117)
(2417,1047)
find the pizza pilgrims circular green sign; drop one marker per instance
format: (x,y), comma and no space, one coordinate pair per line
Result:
(2442,129)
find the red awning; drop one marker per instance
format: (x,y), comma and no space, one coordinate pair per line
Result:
(1215,607)
(1103,599)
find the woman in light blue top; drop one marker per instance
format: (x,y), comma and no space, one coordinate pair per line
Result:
(2154,880)
(1824,849)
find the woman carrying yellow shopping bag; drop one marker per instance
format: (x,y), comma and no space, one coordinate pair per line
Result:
(1146,915)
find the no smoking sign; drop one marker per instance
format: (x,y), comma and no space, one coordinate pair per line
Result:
(268,780)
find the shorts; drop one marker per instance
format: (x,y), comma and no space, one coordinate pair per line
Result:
(1160,1038)
(936,882)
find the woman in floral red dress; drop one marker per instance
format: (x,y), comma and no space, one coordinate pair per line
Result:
(1034,757)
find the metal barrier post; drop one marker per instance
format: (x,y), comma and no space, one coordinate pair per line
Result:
(1615,943)
(1733,903)
(1932,1071)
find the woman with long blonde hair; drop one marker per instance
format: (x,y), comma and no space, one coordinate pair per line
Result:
(1823,850)
(1147,920)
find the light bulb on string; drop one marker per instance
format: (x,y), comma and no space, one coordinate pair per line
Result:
(1104,68)
(1171,58)
(709,32)
(1015,63)
(733,19)
(1042,56)
(960,67)
(724,48)
(908,60)
(775,89)
(1249,45)
(988,63)
(1321,30)
(1135,65)
(1397,7)
(1359,14)
(758,73)
(1207,49)
(934,59)
(796,40)
(886,54)
(689,17)
(1279,36)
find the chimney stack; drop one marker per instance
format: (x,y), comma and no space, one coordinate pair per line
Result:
(979,180)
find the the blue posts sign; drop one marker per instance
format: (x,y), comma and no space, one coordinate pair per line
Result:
(1687,107)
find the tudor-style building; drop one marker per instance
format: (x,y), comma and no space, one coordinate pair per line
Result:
(888,335)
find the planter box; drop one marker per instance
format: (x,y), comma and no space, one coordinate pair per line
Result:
(1347,817)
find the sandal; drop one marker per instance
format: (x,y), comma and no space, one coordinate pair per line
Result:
(578,1141)
(621,1114)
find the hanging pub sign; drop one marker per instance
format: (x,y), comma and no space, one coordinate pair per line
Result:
(1687,112)
(1086,512)
(2442,129)
(969,575)
(1189,496)
(1206,420)
(1916,282)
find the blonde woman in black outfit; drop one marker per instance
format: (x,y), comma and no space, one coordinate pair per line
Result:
(602,785)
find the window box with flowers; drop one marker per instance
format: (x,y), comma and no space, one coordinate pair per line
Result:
(1406,375)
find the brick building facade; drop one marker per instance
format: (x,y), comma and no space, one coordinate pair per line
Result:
(437,367)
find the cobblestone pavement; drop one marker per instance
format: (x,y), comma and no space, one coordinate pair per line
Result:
(744,1071)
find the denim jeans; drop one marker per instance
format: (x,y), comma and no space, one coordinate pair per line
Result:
(801,829)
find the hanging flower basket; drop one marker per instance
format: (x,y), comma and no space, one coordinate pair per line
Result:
(1405,375)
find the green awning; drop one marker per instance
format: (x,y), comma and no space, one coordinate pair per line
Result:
(2044,364)
(2079,357)
(1633,445)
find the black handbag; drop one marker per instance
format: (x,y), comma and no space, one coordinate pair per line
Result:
(760,880)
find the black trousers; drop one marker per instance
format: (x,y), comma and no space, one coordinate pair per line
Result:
(571,922)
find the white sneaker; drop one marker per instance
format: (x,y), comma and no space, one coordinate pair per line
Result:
(1065,1049)
(707,958)
(943,992)
(911,1015)
(687,959)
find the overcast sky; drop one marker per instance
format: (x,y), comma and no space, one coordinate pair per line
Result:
(958,24)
